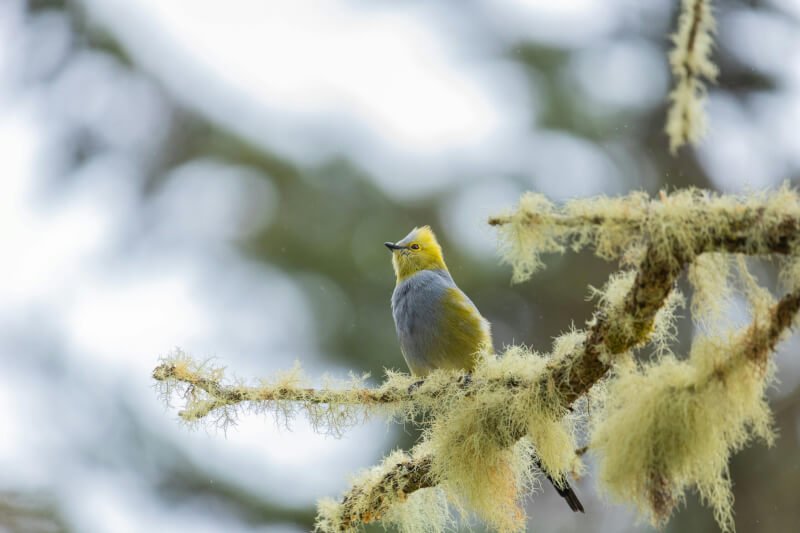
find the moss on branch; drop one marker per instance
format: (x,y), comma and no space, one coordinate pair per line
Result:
(483,436)
(691,65)
(673,424)
(675,227)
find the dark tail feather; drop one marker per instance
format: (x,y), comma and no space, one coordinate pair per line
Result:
(565,492)
(568,494)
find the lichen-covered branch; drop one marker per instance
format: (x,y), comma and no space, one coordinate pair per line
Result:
(205,391)
(373,498)
(672,225)
(673,424)
(675,239)
(677,228)
(368,502)
(690,61)
(484,433)
(762,338)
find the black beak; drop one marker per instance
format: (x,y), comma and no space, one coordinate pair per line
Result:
(393,246)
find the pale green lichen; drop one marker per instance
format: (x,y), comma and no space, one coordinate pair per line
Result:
(672,425)
(209,397)
(611,297)
(525,240)
(475,437)
(568,343)
(712,292)
(665,329)
(758,297)
(611,308)
(673,226)
(423,511)
(482,436)
(789,275)
(691,64)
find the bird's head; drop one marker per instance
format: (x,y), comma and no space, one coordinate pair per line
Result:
(417,251)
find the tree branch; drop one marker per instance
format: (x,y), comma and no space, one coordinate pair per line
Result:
(575,374)
(219,396)
(671,232)
(401,389)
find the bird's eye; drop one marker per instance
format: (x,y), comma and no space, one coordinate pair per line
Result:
(415,246)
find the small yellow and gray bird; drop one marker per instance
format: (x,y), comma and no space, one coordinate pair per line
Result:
(437,324)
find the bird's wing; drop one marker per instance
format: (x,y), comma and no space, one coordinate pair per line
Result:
(463,331)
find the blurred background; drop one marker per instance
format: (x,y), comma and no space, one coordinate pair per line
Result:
(220,176)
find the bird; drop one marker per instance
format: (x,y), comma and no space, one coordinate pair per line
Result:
(438,326)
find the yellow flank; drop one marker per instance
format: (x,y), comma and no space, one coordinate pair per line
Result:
(466,334)
(421,253)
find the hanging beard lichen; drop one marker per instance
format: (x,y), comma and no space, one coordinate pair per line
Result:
(476,437)
(673,425)
(483,435)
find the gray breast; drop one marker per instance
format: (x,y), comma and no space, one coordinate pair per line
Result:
(416,309)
